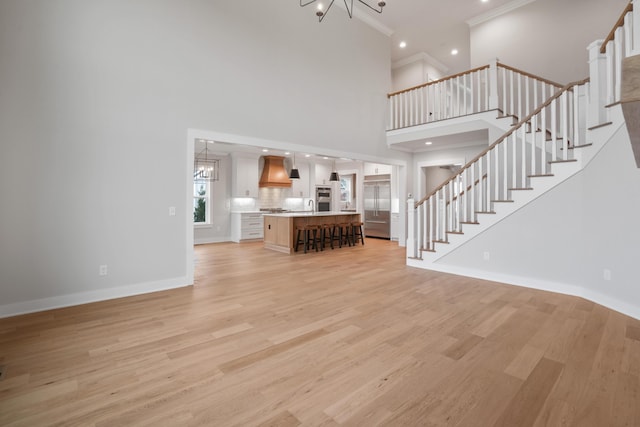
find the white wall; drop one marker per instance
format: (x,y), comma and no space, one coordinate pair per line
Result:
(414,73)
(564,240)
(97,97)
(438,158)
(546,37)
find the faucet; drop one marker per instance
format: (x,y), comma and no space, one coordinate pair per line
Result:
(312,203)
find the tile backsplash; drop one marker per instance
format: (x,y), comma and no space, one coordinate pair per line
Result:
(271,198)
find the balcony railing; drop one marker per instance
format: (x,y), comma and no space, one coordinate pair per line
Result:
(499,87)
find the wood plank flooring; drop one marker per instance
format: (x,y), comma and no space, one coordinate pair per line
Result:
(348,337)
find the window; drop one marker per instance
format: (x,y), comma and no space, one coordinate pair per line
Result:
(201,197)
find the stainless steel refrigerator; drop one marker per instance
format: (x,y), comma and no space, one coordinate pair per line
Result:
(377,206)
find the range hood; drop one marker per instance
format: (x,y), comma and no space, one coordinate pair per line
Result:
(274,173)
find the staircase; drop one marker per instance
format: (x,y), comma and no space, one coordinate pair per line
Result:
(550,134)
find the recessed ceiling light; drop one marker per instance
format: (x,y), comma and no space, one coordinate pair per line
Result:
(454,51)
(428,143)
(485,1)
(264,150)
(286,153)
(402,44)
(307,155)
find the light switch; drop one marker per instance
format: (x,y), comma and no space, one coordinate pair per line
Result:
(172,211)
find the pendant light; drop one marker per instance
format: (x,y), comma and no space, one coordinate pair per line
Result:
(294,174)
(334,175)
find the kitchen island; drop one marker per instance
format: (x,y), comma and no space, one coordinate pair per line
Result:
(280,228)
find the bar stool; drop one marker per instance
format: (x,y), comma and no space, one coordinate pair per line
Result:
(308,236)
(326,234)
(356,232)
(341,233)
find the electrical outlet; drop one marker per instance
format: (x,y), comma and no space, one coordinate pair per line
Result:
(486,256)
(606,274)
(102,271)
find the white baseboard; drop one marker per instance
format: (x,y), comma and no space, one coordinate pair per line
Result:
(33,306)
(623,307)
(207,240)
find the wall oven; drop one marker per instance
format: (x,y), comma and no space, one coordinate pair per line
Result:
(323,199)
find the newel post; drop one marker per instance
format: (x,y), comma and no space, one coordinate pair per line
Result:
(598,84)
(411,227)
(493,85)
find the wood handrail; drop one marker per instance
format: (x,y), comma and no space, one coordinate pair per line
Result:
(521,123)
(389,95)
(619,23)
(533,76)
(473,70)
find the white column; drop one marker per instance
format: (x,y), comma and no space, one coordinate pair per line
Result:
(411,228)
(493,84)
(598,75)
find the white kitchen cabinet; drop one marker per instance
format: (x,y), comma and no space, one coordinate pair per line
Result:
(244,180)
(300,187)
(376,169)
(246,226)
(323,172)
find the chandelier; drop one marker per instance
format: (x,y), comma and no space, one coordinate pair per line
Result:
(321,12)
(205,168)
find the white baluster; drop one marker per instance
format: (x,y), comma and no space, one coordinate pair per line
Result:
(576,117)
(514,159)
(432,222)
(512,110)
(618,64)
(610,55)
(411,230)
(526,79)
(474,192)
(628,35)
(564,123)
(523,152)
(635,28)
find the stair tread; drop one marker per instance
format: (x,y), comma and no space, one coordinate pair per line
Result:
(440,241)
(600,126)
(454,232)
(580,146)
(522,188)
(485,212)
(470,222)
(502,201)
(563,161)
(540,176)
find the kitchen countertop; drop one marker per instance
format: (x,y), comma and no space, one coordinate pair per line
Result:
(307,214)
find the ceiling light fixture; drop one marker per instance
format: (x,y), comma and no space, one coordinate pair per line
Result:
(454,51)
(204,167)
(403,44)
(428,143)
(334,175)
(321,12)
(295,173)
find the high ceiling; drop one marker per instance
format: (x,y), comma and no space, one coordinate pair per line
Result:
(434,27)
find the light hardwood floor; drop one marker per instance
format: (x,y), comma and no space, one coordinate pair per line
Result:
(345,337)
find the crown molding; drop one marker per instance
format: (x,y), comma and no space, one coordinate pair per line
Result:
(494,13)
(422,56)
